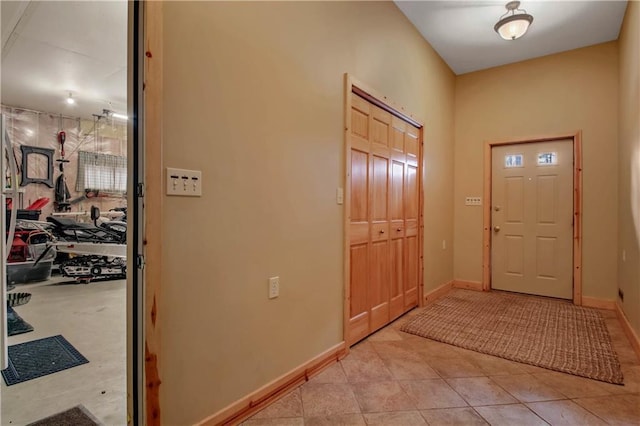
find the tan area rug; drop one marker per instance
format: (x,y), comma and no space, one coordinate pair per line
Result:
(543,332)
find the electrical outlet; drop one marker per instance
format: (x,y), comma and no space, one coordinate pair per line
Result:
(473,201)
(186,183)
(274,287)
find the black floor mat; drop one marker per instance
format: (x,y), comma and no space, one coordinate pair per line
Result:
(38,358)
(76,416)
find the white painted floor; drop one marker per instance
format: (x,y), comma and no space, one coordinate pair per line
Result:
(92,317)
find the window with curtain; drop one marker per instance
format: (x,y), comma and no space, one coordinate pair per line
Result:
(101,171)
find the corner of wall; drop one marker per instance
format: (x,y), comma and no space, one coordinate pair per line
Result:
(628,250)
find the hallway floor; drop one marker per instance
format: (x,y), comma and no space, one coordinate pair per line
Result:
(394,378)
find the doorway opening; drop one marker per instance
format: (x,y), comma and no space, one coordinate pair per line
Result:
(533,216)
(70,121)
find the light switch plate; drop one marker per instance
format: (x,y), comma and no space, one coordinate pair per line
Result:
(473,201)
(185,183)
(339,196)
(274,287)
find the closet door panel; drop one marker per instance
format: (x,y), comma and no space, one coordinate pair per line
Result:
(397,229)
(359,220)
(380,185)
(359,301)
(396,300)
(379,268)
(412,255)
(411,272)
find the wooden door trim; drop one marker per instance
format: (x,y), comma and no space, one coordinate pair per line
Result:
(153,199)
(576,137)
(358,90)
(353,85)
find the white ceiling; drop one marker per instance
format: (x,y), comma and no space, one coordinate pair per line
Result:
(462,31)
(51,48)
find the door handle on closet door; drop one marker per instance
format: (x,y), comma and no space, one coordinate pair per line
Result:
(496,228)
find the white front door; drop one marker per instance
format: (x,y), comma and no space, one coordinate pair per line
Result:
(532,218)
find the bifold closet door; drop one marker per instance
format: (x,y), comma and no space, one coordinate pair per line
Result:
(379,264)
(412,213)
(383,223)
(359,226)
(396,207)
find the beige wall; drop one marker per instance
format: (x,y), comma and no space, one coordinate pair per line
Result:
(553,94)
(253,97)
(629,173)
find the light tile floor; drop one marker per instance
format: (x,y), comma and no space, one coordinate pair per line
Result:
(395,378)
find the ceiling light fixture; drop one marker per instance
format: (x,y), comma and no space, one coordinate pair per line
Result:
(70,99)
(513,25)
(110,114)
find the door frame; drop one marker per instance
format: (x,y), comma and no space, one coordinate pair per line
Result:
(150,50)
(576,137)
(353,85)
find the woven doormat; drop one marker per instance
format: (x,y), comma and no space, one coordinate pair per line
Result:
(39,358)
(547,333)
(76,416)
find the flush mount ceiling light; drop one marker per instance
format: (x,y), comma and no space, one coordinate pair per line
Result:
(515,23)
(70,99)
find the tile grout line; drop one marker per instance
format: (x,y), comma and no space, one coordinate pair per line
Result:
(607,396)
(505,405)
(565,397)
(348,383)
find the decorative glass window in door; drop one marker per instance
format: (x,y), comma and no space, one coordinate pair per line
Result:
(547,158)
(513,160)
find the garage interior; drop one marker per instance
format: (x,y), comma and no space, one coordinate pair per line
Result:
(64,108)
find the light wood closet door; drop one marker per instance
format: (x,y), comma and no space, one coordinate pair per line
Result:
(359,227)
(383,223)
(412,213)
(396,206)
(379,266)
